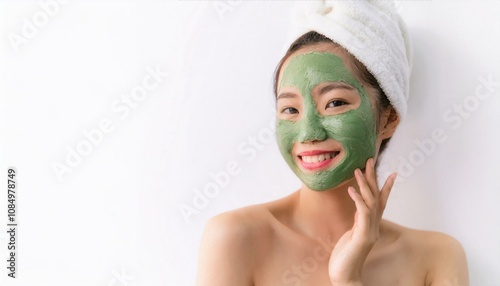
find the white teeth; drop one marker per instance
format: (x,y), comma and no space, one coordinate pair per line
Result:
(318,158)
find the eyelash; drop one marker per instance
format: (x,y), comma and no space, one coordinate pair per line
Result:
(327,105)
(287,108)
(337,101)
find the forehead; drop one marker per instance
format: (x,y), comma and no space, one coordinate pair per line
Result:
(320,48)
(309,68)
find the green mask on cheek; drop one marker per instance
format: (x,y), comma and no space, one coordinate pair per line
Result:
(354,129)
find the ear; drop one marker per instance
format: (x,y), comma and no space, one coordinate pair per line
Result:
(389,121)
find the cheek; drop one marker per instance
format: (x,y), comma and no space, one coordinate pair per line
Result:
(286,134)
(354,130)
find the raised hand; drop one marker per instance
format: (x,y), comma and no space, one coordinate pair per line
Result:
(350,252)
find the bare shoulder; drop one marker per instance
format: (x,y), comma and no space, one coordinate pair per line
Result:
(441,254)
(249,221)
(240,224)
(231,243)
(423,239)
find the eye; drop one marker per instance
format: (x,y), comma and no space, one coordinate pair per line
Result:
(290,110)
(335,103)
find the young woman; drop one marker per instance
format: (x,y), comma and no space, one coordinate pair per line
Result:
(333,119)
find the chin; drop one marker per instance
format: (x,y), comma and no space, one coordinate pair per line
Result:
(314,185)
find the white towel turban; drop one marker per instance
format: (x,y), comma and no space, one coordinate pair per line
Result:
(372,31)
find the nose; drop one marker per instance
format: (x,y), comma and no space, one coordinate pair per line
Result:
(311,128)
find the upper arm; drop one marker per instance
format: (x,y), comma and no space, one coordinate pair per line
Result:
(448,262)
(225,253)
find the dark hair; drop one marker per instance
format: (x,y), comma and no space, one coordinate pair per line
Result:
(354,65)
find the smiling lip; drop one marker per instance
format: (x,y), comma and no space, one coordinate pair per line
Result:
(315,152)
(315,166)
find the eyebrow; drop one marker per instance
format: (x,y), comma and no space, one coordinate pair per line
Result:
(323,90)
(286,95)
(335,85)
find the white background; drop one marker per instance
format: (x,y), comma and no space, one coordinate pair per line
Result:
(115,219)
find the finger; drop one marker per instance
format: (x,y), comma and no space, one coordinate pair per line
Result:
(371,177)
(364,189)
(386,190)
(362,211)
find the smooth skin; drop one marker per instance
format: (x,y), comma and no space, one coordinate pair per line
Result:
(334,237)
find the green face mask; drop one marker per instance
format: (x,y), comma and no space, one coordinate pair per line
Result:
(354,129)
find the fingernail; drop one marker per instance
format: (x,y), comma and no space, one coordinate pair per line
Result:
(358,172)
(394,176)
(372,161)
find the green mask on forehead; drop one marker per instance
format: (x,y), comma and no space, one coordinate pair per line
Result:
(354,129)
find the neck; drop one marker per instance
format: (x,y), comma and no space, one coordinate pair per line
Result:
(326,214)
